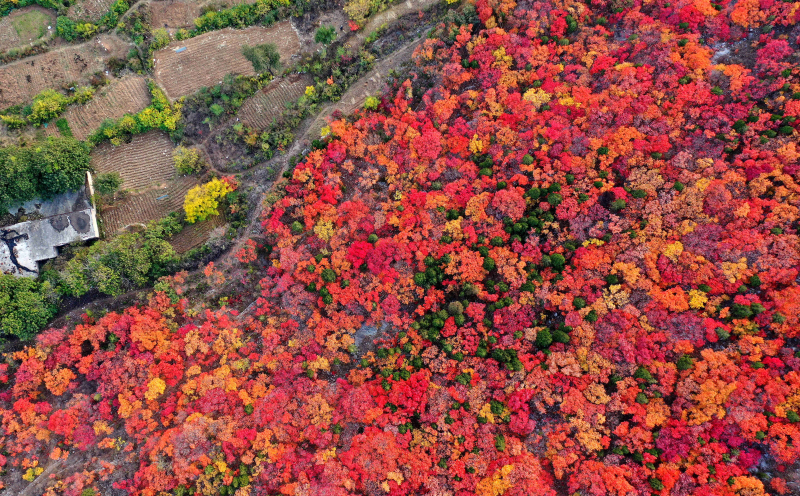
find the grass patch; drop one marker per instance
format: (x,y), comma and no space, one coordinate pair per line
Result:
(31,25)
(63,127)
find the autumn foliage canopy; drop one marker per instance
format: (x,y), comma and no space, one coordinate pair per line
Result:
(560,258)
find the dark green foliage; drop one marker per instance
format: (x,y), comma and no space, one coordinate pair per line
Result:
(265,58)
(63,127)
(108,183)
(685,362)
(328,275)
(26,305)
(125,262)
(325,35)
(41,170)
(543,339)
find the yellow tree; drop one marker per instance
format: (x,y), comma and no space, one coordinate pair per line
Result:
(201,201)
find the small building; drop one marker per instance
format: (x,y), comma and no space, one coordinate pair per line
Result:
(62,220)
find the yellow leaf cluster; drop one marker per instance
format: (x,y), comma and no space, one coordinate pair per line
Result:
(324,230)
(537,97)
(673,251)
(201,201)
(155,388)
(697,299)
(497,484)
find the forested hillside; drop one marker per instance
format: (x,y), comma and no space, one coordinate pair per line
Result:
(572,232)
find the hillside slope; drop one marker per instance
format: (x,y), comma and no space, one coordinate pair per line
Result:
(574,234)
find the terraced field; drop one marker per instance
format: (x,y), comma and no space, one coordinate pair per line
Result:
(124,96)
(71,64)
(196,234)
(209,57)
(145,162)
(260,109)
(150,205)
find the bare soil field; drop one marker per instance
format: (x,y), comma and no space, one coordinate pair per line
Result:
(196,234)
(260,109)
(150,205)
(144,163)
(209,57)
(175,14)
(25,26)
(89,10)
(20,81)
(123,96)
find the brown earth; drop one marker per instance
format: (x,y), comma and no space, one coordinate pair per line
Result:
(150,205)
(196,234)
(144,163)
(90,10)
(124,96)
(175,14)
(20,81)
(209,57)
(268,104)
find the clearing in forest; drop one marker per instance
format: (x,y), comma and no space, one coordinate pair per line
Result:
(204,60)
(146,162)
(268,103)
(124,96)
(25,26)
(71,64)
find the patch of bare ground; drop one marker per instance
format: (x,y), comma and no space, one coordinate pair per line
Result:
(89,10)
(23,79)
(124,96)
(176,14)
(209,57)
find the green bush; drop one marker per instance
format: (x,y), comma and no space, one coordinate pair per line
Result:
(122,263)
(325,35)
(41,170)
(543,339)
(26,305)
(107,184)
(265,58)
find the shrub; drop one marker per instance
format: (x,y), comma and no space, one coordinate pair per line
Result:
(187,160)
(371,103)
(26,305)
(265,58)
(107,184)
(325,35)
(543,339)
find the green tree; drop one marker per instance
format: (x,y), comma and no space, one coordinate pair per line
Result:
(107,184)
(265,58)
(26,306)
